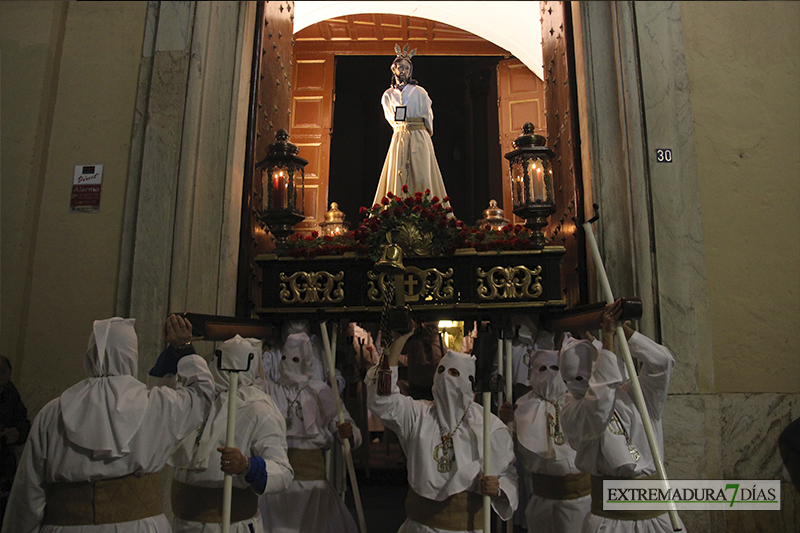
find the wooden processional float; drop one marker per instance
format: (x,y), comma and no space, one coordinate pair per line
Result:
(483,288)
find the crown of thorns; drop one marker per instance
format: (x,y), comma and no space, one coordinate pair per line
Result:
(404,53)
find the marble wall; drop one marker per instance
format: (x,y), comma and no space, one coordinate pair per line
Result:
(638,96)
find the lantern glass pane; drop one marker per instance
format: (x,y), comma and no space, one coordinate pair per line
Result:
(519,192)
(278,186)
(299,187)
(538,171)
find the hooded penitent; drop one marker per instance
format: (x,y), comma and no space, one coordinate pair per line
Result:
(538,415)
(576,361)
(234,354)
(103,412)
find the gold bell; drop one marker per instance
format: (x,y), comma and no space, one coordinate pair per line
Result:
(392,260)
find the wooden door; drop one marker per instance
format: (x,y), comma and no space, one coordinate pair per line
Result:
(520,98)
(313,78)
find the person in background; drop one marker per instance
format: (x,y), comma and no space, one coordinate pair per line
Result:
(14,428)
(94,455)
(308,406)
(602,422)
(561,493)
(197,484)
(443,443)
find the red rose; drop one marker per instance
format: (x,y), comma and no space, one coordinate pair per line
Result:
(385,213)
(385,200)
(376,207)
(435,200)
(362,210)
(314,234)
(446,199)
(507,228)
(448,209)
(427,192)
(418,195)
(327,238)
(417,208)
(398,211)
(409,202)
(452,223)
(405,188)
(390,194)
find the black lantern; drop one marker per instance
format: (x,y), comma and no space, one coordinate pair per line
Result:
(532,181)
(282,182)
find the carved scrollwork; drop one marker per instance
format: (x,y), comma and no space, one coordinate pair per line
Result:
(504,283)
(311,287)
(429,284)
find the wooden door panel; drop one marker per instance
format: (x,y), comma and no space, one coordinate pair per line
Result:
(313,78)
(520,95)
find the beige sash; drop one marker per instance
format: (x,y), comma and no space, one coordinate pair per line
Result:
(411,124)
(569,487)
(459,512)
(308,465)
(204,504)
(105,501)
(618,514)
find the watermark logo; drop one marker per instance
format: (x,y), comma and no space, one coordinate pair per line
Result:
(691,495)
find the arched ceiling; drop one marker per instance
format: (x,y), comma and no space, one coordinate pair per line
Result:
(513,26)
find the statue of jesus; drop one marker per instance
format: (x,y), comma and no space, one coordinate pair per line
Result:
(411,160)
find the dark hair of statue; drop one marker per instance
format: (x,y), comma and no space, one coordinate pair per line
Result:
(410,81)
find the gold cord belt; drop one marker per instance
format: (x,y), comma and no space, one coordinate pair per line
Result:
(308,465)
(104,501)
(459,512)
(204,504)
(569,487)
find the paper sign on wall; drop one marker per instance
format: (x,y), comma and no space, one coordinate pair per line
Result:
(86,183)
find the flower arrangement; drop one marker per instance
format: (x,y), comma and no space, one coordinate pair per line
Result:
(316,245)
(485,238)
(419,223)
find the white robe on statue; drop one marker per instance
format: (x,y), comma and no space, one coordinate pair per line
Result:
(536,423)
(309,406)
(410,159)
(600,442)
(415,423)
(107,426)
(260,431)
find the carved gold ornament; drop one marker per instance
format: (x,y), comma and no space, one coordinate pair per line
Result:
(503,283)
(419,285)
(312,287)
(412,240)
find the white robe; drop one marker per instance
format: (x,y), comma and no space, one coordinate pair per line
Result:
(410,159)
(417,429)
(259,432)
(312,506)
(543,515)
(50,458)
(603,453)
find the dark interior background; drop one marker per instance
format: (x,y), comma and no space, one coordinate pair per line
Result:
(465,130)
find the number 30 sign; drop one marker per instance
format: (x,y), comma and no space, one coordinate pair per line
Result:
(663,155)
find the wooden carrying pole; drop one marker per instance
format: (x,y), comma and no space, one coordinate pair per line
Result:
(622,342)
(348,455)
